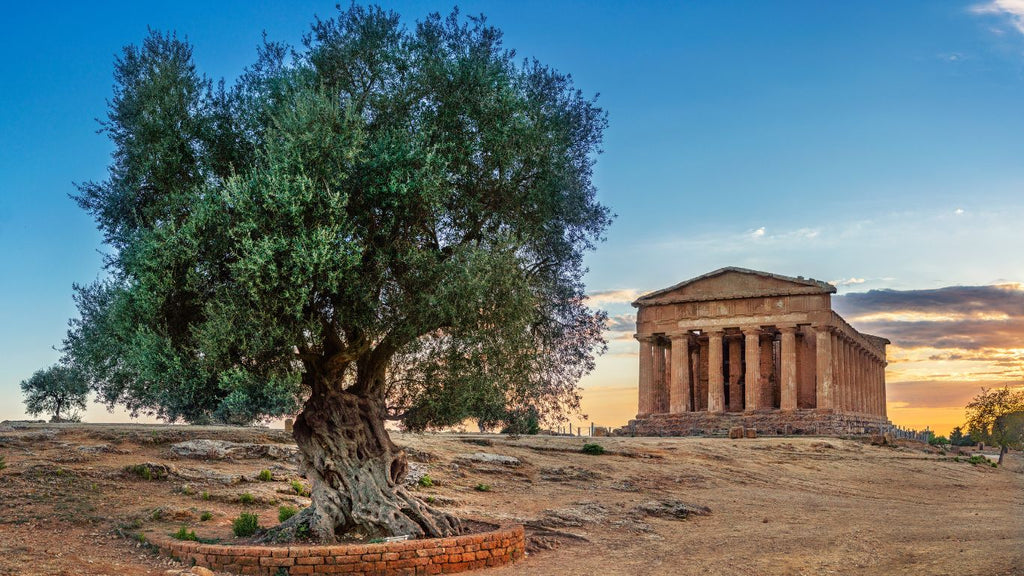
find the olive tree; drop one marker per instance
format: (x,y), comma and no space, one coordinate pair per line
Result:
(994,416)
(386,223)
(59,390)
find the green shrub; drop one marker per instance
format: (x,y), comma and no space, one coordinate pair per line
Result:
(247,498)
(481,487)
(286,512)
(184,533)
(299,488)
(302,531)
(978,459)
(205,495)
(426,481)
(245,525)
(265,476)
(205,516)
(938,440)
(593,449)
(431,499)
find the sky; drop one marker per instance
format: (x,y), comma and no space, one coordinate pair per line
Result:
(876,145)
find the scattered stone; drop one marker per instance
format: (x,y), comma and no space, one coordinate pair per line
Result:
(478,441)
(671,509)
(736,432)
(206,449)
(289,425)
(417,455)
(200,571)
(415,472)
(573,516)
(489,458)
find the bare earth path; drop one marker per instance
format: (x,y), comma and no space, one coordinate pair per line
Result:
(777,505)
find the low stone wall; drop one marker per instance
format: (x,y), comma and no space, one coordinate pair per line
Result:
(774,422)
(427,556)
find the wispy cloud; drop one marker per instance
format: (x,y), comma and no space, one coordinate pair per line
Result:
(1011,10)
(852,281)
(609,297)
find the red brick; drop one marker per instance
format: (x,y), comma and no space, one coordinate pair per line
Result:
(310,560)
(277,561)
(300,570)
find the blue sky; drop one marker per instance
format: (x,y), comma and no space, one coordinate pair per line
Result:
(875,144)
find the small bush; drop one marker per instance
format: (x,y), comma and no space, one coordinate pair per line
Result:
(140,537)
(593,449)
(978,459)
(299,488)
(426,481)
(265,476)
(158,514)
(184,533)
(286,512)
(247,498)
(205,495)
(302,531)
(481,487)
(245,525)
(205,516)
(431,499)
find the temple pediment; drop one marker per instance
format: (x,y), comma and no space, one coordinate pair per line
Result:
(731,283)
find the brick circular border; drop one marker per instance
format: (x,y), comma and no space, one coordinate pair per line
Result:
(427,556)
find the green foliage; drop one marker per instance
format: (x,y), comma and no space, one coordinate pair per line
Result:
(938,440)
(426,481)
(409,204)
(958,438)
(997,417)
(59,390)
(184,533)
(245,525)
(302,531)
(481,487)
(978,459)
(205,516)
(299,488)
(247,498)
(205,495)
(265,476)
(146,472)
(593,449)
(286,512)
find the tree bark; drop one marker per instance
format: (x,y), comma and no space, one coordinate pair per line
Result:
(1002,452)
(356,473)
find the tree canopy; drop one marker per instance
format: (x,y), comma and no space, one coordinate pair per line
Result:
(994,416)
(59,390)
(387,220)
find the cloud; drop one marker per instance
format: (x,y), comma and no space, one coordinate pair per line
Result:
(1012,10)
(848,282)
(607,297)
(759,233)
(621,323)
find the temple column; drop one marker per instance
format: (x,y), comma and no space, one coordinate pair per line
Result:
(646,375)
(752,378)
(841,400)
(660,384)
(735,372)
(788,384)
(700,393)
(716,380)
(679,391)
(879,402)
(885,407)
(865,381)
(823,374)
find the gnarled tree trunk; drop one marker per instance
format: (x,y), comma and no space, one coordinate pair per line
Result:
(356,473)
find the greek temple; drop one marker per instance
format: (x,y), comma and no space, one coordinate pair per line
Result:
(739,347)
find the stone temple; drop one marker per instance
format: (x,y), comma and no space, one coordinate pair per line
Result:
(738,347)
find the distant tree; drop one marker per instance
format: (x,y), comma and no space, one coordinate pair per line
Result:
(938,440)
(59,390)
(390,223)
(992,417)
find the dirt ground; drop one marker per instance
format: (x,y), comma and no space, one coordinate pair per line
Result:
(773,505)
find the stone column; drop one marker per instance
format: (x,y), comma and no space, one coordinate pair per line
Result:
(823,376)
(646,375)
(752,378)
(700,393)
(788,386)
(660,387)
(885,407)
(716,382)
(735,373)
(864,379)
(679,392)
